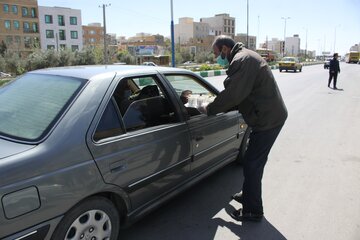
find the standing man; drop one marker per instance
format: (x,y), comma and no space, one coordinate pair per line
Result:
(250,87)
(334,69)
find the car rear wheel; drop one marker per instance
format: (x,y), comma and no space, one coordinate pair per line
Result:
(96,218)
(300,69)
(243,147)
(280,70)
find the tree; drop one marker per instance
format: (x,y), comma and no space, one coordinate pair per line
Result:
(3,48)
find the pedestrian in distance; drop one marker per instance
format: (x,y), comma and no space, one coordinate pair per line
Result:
(250,87)
(334,69)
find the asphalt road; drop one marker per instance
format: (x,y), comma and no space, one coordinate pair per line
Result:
(311,185)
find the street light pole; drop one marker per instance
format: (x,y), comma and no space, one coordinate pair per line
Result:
(247,24)
(285,18)
(172,36)
(104,23)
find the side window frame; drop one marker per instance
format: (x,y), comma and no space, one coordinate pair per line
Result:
(109,96)
(209,88)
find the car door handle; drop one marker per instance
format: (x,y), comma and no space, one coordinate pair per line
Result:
(199,138)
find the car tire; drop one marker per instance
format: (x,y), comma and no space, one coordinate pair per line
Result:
(95,217)
(300,70)
(294,70)
(280,70)
(240,159)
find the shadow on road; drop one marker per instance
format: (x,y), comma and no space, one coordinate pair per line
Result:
(201,213)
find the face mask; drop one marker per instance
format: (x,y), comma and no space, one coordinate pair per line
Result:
(222,61)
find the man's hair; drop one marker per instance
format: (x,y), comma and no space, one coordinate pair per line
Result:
(223,40)
(335,55)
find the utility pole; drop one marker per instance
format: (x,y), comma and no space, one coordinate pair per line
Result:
(285,18)
(105,38)
(247,24)
(172,36)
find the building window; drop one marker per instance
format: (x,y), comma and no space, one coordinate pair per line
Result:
(73,20)
(6,8)
(35,27)
(27,42)
(49,33)
(14,9)
(24,11)
(48,19)
(74,35)
(50,47)
(61,20)
(33,12)
(92,32)
(62,35)
(62,46)
(26,27)
(233,22)
(9,40)
(224,21)
(92,40)
(16,25)
(7,24)
(17,39)
(224,29)
(74,48)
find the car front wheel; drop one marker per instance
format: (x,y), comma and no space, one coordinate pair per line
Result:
(95,218)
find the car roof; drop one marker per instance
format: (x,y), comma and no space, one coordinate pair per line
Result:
(90,71)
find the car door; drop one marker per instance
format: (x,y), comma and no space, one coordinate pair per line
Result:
(213,138)
(145,149)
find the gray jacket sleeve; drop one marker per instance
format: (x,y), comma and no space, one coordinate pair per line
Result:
(238,85)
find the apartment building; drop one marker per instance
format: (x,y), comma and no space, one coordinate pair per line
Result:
(187,30)
(60,28)
(19,25)
(292,46)
(221,24)
(242,37)
(93,34)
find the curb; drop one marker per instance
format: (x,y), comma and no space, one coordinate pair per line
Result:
(213,73)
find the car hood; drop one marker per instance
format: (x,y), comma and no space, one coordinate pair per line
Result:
(8,148)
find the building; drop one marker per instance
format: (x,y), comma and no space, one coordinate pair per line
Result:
(292,46)
(60,28)
(93,35)
(220,24)
(187,30)
(275,45)
(19,25)
(242,37)
(146,39)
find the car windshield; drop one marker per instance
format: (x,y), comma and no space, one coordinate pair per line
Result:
(31,104)
(288,59)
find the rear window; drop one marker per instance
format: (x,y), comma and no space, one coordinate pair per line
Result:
(31,105)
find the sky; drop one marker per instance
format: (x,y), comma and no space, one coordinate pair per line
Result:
(322,25)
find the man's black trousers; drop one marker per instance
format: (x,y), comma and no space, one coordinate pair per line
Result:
(255,159)
(331,76)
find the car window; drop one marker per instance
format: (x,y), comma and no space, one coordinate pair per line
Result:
(32,104)
(141,103)
(192,93)
(110,123)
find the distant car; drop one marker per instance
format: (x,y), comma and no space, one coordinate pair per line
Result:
(3,75)
(327,63)
(87,150)
(189,63)
(149,64)
(290,63)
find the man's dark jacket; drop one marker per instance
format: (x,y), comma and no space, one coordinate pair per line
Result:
(251,88)
(334,66)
